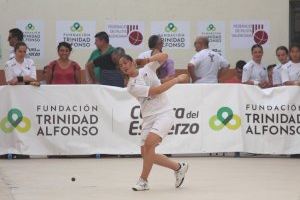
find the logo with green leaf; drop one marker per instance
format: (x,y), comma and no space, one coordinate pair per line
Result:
(224,117)
(211,28)
(30,27)
(76,27)
(171,28)
(15,120)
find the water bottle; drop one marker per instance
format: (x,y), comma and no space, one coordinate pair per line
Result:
(9,156)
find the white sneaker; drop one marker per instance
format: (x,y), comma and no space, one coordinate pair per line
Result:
(141,185)
(179,175)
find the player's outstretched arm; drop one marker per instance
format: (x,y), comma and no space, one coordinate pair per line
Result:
(182,78)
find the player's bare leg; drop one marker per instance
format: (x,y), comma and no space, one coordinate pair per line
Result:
(163,161)
(150,158)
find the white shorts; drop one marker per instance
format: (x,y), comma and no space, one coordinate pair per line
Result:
(160,124)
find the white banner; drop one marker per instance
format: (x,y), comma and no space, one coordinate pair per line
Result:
(244,34)
(175,34)
(126,34)
(33,36)
(215,31)
(90,119)
(78,33)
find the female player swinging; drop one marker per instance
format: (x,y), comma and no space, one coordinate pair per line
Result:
(156,112)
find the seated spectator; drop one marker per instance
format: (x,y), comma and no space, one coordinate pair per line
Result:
(282,54)
(109,64)
(20,70)
(166,71)
(206,64)
(103,47)
(254,73)
(63,70)
(290,73)
(270,70)
(237,78)
(15,36)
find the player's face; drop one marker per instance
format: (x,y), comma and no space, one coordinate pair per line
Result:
(21,52)
(126,66)
(282,56)
(295,54)
(64,52)
(257,54)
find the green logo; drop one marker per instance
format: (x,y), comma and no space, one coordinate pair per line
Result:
(76,27)
(210,28)
(30,27)
(170,28)
(224,117)
(15,120)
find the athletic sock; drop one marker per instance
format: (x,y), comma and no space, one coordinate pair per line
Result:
(143,180)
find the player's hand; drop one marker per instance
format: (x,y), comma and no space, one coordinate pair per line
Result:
(183,78)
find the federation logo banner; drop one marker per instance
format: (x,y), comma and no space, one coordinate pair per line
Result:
(91,119)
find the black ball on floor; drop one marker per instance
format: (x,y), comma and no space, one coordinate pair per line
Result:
(73,179)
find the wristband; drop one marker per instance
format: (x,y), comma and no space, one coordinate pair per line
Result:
(20,79)
(255,82)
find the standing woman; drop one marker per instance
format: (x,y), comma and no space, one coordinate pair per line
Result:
(282,54)
(156,112)
(167,70)
(63,70)
(20,70)
(290,73)
(154,42)
(254,72)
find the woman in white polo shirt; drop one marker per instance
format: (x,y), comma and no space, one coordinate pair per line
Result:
(290,73)
(156,112)
(254,72)
(20,70)
(282,54)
